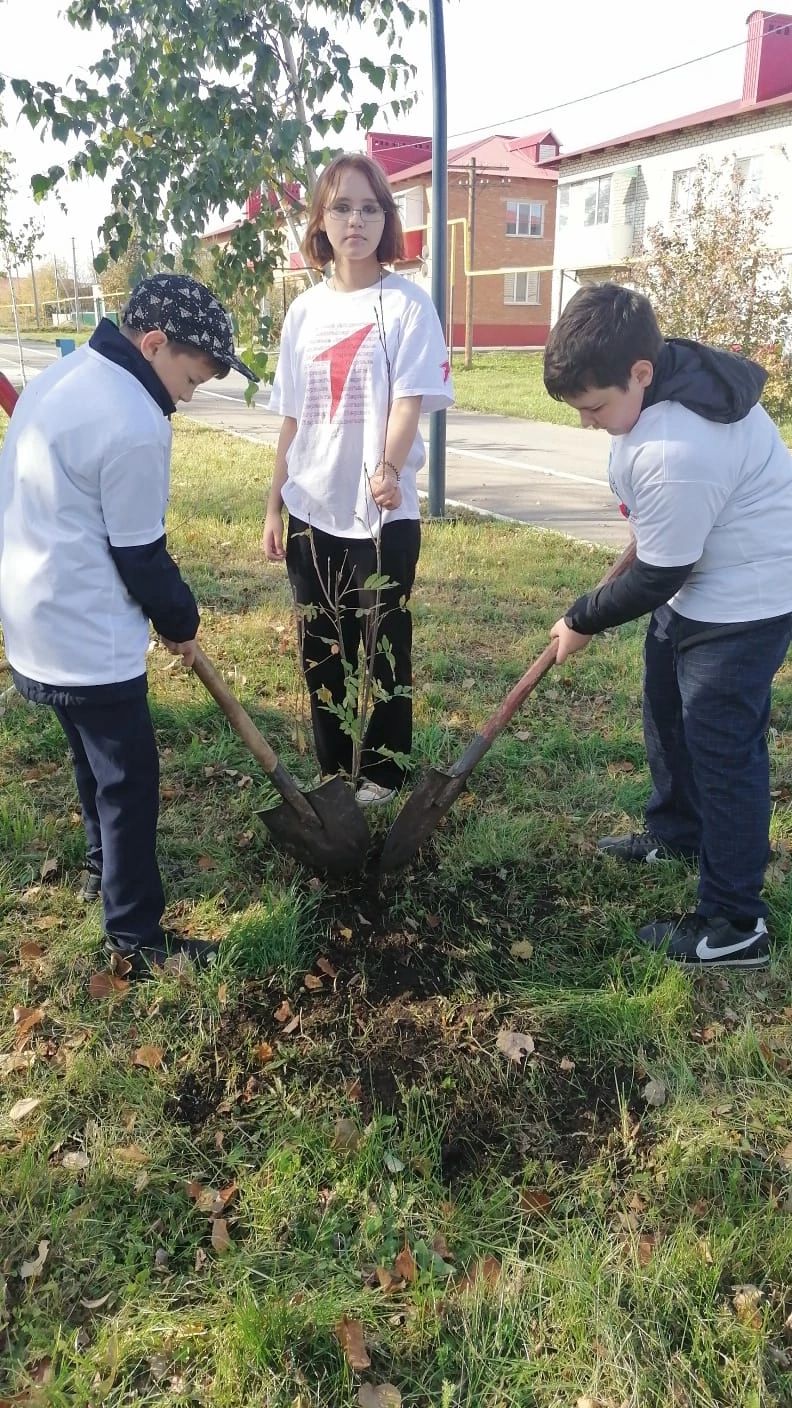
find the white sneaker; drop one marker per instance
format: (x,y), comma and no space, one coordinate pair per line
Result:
(370,794)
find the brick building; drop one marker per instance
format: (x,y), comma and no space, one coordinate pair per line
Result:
(513,228)
(610,193)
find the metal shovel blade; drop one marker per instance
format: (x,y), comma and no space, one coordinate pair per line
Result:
(423,811)
(336,838)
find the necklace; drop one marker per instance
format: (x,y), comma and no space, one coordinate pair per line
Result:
(373,284)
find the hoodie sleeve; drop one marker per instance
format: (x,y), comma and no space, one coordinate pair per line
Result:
(642,588)
(151,576)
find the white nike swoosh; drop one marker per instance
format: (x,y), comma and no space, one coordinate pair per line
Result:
(703,950)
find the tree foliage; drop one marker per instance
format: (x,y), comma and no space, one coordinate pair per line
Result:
(712,275)
(196,103)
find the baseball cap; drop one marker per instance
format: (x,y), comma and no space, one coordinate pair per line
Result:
(187,312)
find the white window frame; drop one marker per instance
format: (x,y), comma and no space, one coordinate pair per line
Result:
(514,210)
(531,288)
(682,181)
(546,150)
(563,206)
(601,186)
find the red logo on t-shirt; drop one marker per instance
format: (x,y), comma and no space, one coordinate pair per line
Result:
(341,357)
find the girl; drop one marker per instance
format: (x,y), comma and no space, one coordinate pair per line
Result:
(362,355)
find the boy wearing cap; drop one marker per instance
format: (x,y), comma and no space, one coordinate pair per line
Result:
(84,567)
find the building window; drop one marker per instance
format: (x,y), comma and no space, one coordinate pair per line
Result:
(546,150)
(521,288)
(750,169)
(525,217)
(596,200)
(563,207)
(682,188)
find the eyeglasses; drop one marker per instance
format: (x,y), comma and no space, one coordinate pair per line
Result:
(370,211)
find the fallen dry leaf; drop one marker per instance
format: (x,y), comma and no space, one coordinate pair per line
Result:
(440,1246)
(131,1154)
(106,984)
(49,869)
(354,1091)
(47,921)
(785,1159)
(206,863)
(523,735)
(350,1337)
(325,966)
(148,1056)
(523,949)
(25,1019)
(486,1269)
(647,1246)
(264,1052)
(36,1263)
(345,932)
(379,1396)
(284,1012)
(387,1280)
(76,1162)
(534,1200)
(200,1259)
(31,952)
(565,1064)
(220,1238)
(346,1134)
(20,1061)
(746,1301)
(655,1093)
(405,1265)
(23,1108)
(515,1045)
(203,1197)
(98,1303)
(292,1025)
(312,983)
(588,1402)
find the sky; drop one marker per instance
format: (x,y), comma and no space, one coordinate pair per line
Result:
(524,59)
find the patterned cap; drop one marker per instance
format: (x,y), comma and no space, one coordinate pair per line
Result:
(187,312)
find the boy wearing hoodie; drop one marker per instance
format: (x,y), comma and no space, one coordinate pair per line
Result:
(705,479)
(84,567)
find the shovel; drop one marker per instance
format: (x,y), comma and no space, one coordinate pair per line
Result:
(323,828)
(438,789)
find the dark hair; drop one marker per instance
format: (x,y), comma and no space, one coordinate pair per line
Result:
(316,246)
(603,331)
(134,334)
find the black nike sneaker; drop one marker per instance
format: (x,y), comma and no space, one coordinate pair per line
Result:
(694,941)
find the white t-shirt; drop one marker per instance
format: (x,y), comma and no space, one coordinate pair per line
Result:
(716,495)
(85,464)
(332,378)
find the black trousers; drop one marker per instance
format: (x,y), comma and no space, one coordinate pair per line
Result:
(116,768)
(321,566)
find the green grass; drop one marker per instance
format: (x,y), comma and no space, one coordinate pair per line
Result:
(508,384)
(591,1245)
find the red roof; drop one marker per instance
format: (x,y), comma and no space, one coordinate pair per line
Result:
(677,124)
(508,154)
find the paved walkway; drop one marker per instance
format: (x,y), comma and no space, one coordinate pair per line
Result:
(552,475)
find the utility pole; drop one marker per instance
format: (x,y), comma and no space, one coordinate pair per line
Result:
(76,296)
(35,294)
(437,421)
(471,220)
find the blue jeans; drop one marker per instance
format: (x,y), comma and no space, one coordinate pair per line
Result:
(706,712)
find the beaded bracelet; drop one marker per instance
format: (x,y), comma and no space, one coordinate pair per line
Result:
(388,464)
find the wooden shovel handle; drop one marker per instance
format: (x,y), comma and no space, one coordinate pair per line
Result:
(254,741)
(497,722)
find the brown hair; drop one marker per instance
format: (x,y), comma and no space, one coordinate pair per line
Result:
(603,331)
(316,247)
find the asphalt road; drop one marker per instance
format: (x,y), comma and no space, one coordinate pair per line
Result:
(550,475)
